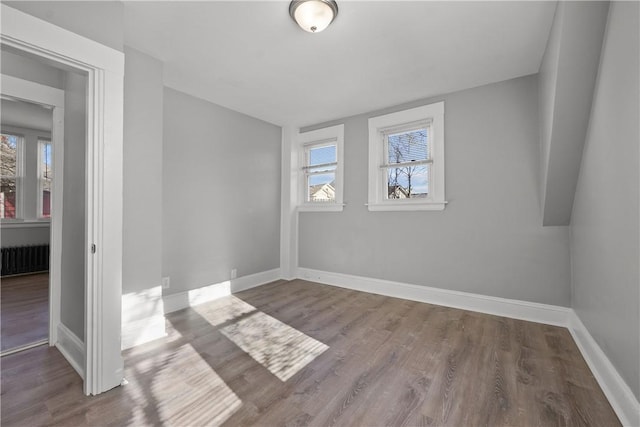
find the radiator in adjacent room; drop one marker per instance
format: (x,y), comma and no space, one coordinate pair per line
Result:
(25,259)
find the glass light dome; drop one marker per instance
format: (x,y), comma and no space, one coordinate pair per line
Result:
(313,15)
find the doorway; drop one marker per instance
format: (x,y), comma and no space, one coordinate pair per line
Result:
(96,355)
(26,171)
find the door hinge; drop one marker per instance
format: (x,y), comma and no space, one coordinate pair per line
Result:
(93,248)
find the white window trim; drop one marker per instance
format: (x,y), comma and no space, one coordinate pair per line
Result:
(377,182)
(320,137)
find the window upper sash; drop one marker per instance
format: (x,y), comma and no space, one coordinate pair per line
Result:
(404,129)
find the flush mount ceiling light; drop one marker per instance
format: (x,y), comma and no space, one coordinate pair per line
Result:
(313,15)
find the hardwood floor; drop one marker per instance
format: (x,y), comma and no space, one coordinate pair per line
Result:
(297,353)
(24,305)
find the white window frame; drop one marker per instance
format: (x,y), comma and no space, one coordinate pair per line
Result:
(41,143)
(20,151)
(333,135)
(431,116)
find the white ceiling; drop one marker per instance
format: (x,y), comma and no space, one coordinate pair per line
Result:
(251,57)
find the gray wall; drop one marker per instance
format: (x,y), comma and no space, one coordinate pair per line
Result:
(24,235)
(604,226)
(488,240)
(73,219)
(27,68)
(221,193)
(25,115)
(102,21)
(142,216)
(30,69)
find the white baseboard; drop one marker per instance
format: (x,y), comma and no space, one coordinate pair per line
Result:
(142,331)
(617,391)
(142,317)
(515,309)
(614,387)
(178,301)
(143,312)
(72,348)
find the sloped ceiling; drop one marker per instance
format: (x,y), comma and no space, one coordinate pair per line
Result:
(251,57)
(567,80)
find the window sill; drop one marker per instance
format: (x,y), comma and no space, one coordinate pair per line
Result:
(25,223)
(328,207)
(406,206)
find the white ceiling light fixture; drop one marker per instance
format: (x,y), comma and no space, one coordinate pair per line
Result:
(313,15)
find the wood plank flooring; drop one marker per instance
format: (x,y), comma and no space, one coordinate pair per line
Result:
(24,310)
(364,360)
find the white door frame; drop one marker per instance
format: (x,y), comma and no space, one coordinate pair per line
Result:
(104,67)
(52,97)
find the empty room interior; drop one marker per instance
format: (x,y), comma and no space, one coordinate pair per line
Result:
(319,212)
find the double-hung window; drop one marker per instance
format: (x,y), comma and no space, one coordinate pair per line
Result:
(321,171)
(10,176)
(45,178)
(406,160)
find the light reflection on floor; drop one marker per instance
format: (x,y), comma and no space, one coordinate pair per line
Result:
(281,349)
(277,346)
(192,396)
(186,390)
(225,310)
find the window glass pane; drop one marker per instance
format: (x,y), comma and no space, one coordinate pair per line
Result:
(321,187)
(7,197)
(45,158)
(322,155)
(408,146)
(9,173)
(46,177)
(46,202)
(8,162)
(409,182)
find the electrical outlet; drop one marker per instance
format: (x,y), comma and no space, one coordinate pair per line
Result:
(166,282)
(234,273)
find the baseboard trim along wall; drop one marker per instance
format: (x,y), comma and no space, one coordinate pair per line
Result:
(178,301)
(142,317)
(143,313)
(72,348)
(617,391)
(515,309)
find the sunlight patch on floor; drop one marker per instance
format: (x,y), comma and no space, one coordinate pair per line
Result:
(281,349)
(224,310)
(193,394)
